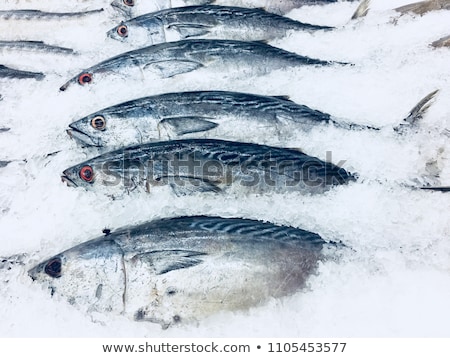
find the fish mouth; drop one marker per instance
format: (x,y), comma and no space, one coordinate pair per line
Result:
(66,180)
(124,10)
(83,138)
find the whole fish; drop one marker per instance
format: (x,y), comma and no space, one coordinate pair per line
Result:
(6,72)
(442,42)
(174,58)
(42,15)
(133,8)
(423,7)
(38,46)
(208,21)
(218,114)
(206,165)
(181,270)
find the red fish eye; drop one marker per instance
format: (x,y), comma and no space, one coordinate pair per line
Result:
(98,122)
(86,173)
(85,78)
(128,2)
(122,30)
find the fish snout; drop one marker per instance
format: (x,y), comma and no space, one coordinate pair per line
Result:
(83,138)
(65,178)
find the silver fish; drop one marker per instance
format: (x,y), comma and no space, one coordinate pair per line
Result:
(206,165)
(132,8)
(38,46)
(181,270)
(6,72)
(42,15)
(218,114)
(174,58)
(423,7)
(442,42)
(208,21)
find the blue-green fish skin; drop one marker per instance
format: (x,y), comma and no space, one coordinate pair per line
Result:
(217,114)
(193,166)
(7,72)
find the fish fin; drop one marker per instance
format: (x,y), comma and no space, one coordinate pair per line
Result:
(190,30)
(170,68)
(189,124)
(417,113)
(361,10)
(284,98)
(183,185)
(416,7)
(164,261)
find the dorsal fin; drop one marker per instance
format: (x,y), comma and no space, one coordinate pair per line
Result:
(284,98)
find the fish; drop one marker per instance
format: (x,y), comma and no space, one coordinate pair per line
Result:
(4,163)
(442,42)
(182,270)
(443,189)
(207,21)
(174,58)
(7,72)
(218,114)
(38,46)
(25,14)
(191,166)
(422,7)
(132,8)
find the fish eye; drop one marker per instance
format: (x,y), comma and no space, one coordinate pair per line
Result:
(98,122)
(128,2)
(53,267)
(85,78)
(122,31)
(87,173)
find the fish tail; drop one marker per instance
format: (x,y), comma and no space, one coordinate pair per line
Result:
(361,10)
(417,113)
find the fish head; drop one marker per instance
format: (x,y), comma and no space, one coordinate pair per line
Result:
(140,32)
(87,131)
(117,126)
(83,175)
(126,7)
(83,78)
(90,274)
(108,173)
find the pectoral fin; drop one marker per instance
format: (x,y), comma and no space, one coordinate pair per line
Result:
(172,68)
(188,185)
(164,261)
(185,125)
(190,30)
